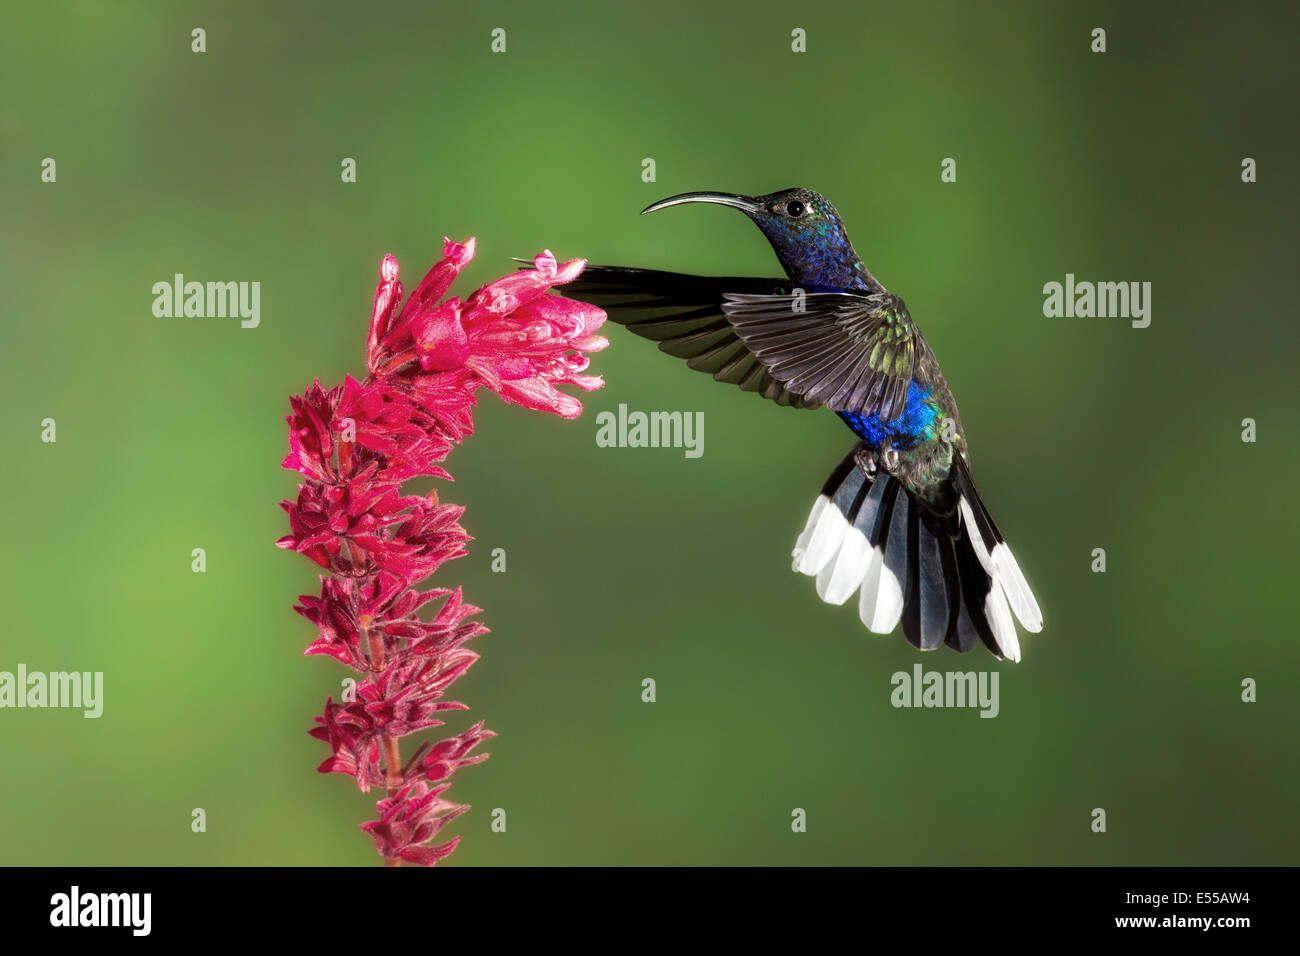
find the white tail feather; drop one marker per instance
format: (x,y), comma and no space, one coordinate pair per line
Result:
(881,604)
(999,617)
(828,532)
(1000,564)
(1017,588)
(805,537)
(841,577)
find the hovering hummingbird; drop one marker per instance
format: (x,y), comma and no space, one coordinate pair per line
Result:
(899,520)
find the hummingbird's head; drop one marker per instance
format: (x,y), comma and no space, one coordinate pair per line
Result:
(805,232)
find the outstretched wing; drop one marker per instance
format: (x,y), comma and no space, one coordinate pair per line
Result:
(849,352)
(684,314)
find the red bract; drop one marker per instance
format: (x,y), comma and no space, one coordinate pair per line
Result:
(411,819)
(355,444)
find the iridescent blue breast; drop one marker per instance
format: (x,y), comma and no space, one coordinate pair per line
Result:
(916,424)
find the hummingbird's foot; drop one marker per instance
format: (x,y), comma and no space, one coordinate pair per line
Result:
(889,458)
(866,461)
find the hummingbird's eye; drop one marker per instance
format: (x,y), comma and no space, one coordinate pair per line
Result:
(795,209)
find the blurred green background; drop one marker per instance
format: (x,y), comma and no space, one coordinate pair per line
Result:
(633,563)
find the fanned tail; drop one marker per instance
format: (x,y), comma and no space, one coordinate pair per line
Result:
(949,578)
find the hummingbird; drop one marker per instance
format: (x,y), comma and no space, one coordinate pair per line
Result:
(899,521)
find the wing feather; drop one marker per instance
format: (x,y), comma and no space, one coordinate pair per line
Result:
(683,313)
(849,352)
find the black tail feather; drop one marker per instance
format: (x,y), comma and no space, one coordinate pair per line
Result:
(975,585)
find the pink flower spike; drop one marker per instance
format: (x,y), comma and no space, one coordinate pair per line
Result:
(354,446)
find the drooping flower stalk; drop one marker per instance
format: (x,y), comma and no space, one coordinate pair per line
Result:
(355,445)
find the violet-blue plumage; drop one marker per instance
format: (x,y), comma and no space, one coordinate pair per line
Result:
(898,521)
(916,424)
(809,238)
(815,248)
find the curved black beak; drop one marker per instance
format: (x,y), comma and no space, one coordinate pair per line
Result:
(746,204)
